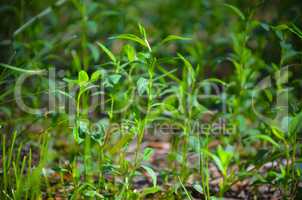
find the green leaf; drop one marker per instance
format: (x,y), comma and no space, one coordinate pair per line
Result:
(184,188)
(236,10)
(76,63)
(64,93)
(294,29)
(21,70)
(93,193)
(216,159)
(267,138)
(95,75)
(90,193)
(269,95)
(131,37)
(130,51)
(189,73)
(142,85)
(295,124)
(219,164)
(198,188)
(225,155)
(281,27)
(148,152)
(215,80)
(108,52)
(120,144)
(151,174)
(114,79)
(168,73)
(174,37)
(83,126)
(76,135)
(70,81)
(150,190)
(265,26)
(83,77)
(142,31)
(278,133)
(143,56)
(223,159)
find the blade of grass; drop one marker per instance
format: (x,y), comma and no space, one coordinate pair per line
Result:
(184,188)
(17,69)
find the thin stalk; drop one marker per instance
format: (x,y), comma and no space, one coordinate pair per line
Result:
(84,41)
(184,188)
(142,123)
(87,159)
(4,161)
(203,168)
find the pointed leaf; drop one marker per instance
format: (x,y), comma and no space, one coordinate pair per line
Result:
(267,138)
(108,52)
(150,190)
(236,10)
(21,69)
(151,174)
(83,77)
(175,37)
(132,38)
(114,79)
(295,124)
(148,152)
(95,76)
(130,51)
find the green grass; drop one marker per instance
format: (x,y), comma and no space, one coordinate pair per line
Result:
(124,68)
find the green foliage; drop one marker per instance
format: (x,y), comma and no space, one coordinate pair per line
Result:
(191,65)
